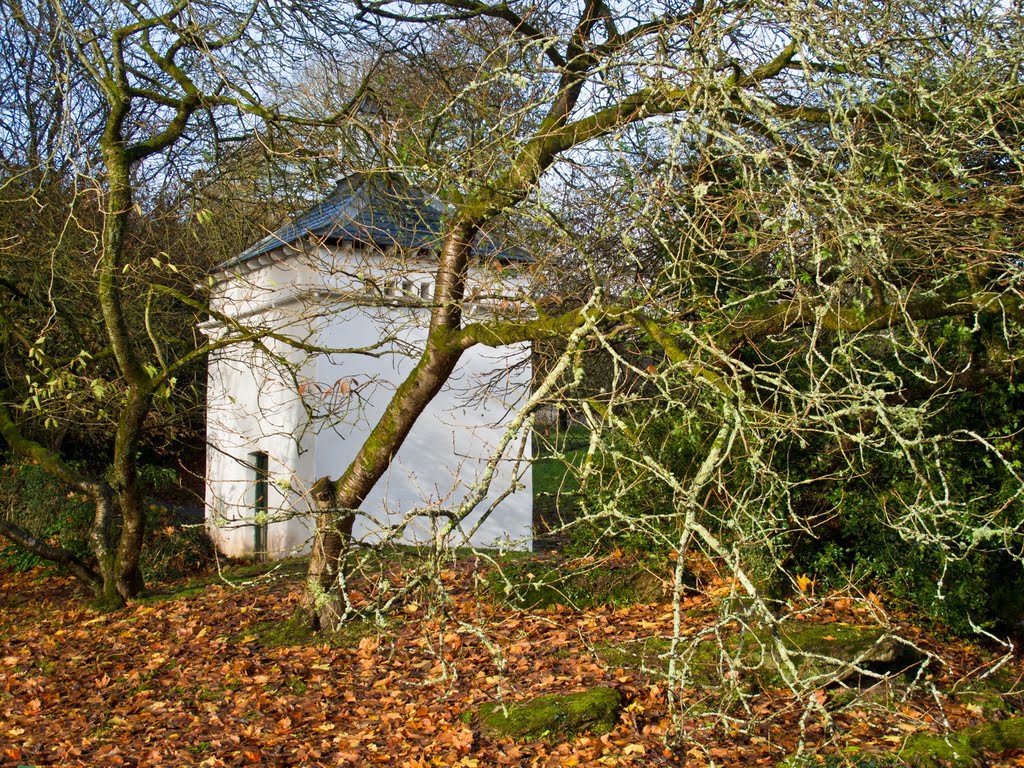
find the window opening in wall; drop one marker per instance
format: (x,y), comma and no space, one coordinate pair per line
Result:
(261,509)
(408,287)
(425,290)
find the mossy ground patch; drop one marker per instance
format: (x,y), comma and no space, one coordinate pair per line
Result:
(596,710)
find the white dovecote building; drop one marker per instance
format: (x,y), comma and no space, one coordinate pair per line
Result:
(328,315)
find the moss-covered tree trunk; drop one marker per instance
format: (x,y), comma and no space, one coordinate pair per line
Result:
(435,365)
(443,347)
(122,566)
(125,476)
(146,73)
(330,550)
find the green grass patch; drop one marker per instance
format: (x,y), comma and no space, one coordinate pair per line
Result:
(289,569)
(190,588)
(292,570)
(555,484)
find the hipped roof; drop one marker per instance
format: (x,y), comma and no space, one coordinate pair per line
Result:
(381,209)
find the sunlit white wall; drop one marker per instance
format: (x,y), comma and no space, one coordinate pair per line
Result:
(310,413)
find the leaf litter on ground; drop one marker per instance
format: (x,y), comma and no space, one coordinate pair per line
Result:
(198,680)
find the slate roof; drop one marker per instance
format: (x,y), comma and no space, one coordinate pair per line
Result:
(379,209)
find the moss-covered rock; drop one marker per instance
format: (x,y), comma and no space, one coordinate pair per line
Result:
(965,748)
(820,653)
(995,695)
(596,711)
(987,703)
(824,653)
(924,749)
(648,654)
(277,633)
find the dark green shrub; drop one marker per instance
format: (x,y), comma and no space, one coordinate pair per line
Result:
(43,506)
(624,504)
(844,517)
(872,539)
(980,584)
(37,502)
(174,549)
(156,479)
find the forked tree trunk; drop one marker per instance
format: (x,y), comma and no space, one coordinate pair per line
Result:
(117,562)
(112,579)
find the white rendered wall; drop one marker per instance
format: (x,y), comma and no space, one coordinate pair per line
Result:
(256,405)
(252,406)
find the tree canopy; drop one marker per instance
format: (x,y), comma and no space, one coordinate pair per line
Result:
(803,222)
(792,233)
(118,106)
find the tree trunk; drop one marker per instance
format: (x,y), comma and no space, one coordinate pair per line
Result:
(125,481)
(373,459)
(127,570)
(124,565)
(329,558)
(435,366)
(102,536)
